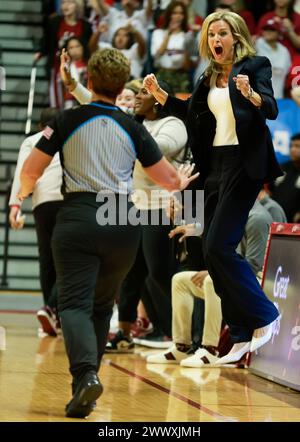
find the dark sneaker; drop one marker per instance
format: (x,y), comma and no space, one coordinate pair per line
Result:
(120,344)
(48,319)
(154,340)
(87,391)
(141,327)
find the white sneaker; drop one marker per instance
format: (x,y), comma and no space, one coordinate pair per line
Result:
(170,356)
(266,334)
(238,350)
(202,358)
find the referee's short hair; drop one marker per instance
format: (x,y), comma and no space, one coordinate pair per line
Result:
(109,70)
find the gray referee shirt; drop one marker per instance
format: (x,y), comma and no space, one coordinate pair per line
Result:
(98,144)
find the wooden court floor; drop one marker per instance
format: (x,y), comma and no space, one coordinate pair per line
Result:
(35,386)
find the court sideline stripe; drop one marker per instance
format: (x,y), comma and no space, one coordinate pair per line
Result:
(179,396)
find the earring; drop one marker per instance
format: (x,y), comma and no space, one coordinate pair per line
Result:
(156,107)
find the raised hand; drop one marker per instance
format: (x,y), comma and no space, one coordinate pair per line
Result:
(65,67)
(242,84)
(150,83)
(102,27)
(184,172)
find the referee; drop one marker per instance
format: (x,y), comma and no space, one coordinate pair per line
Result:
(98,145)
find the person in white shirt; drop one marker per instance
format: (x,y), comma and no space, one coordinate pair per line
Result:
(46,201)
(279,56)
(128,40)
(170,48)
(129,14)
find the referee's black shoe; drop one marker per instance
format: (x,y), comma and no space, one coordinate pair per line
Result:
(87,391)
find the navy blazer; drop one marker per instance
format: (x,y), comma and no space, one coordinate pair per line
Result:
(252,132)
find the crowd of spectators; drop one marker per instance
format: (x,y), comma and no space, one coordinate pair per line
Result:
(162,36)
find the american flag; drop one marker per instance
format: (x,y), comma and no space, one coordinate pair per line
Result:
(48,131)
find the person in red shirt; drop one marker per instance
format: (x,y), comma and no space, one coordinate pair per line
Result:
(288,23)
(58,30)
(78,68)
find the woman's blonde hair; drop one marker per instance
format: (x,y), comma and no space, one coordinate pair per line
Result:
(109,70)
(243,44)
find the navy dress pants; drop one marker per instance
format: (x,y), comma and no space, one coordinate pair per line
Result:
(229,195)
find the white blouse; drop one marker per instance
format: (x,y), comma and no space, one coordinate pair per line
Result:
(220,105)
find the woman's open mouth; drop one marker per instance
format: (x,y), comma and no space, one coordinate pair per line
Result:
(218,50)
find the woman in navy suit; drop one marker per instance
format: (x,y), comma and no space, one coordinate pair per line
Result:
(233,150)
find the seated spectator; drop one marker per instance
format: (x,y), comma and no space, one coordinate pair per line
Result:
(274,209)
(268,45)
(286,189)
(288,23)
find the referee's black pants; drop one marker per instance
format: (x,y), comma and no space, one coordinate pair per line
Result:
(229,195)
(91,262)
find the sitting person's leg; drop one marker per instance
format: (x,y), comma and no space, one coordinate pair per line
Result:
(183,292)
(208,353)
